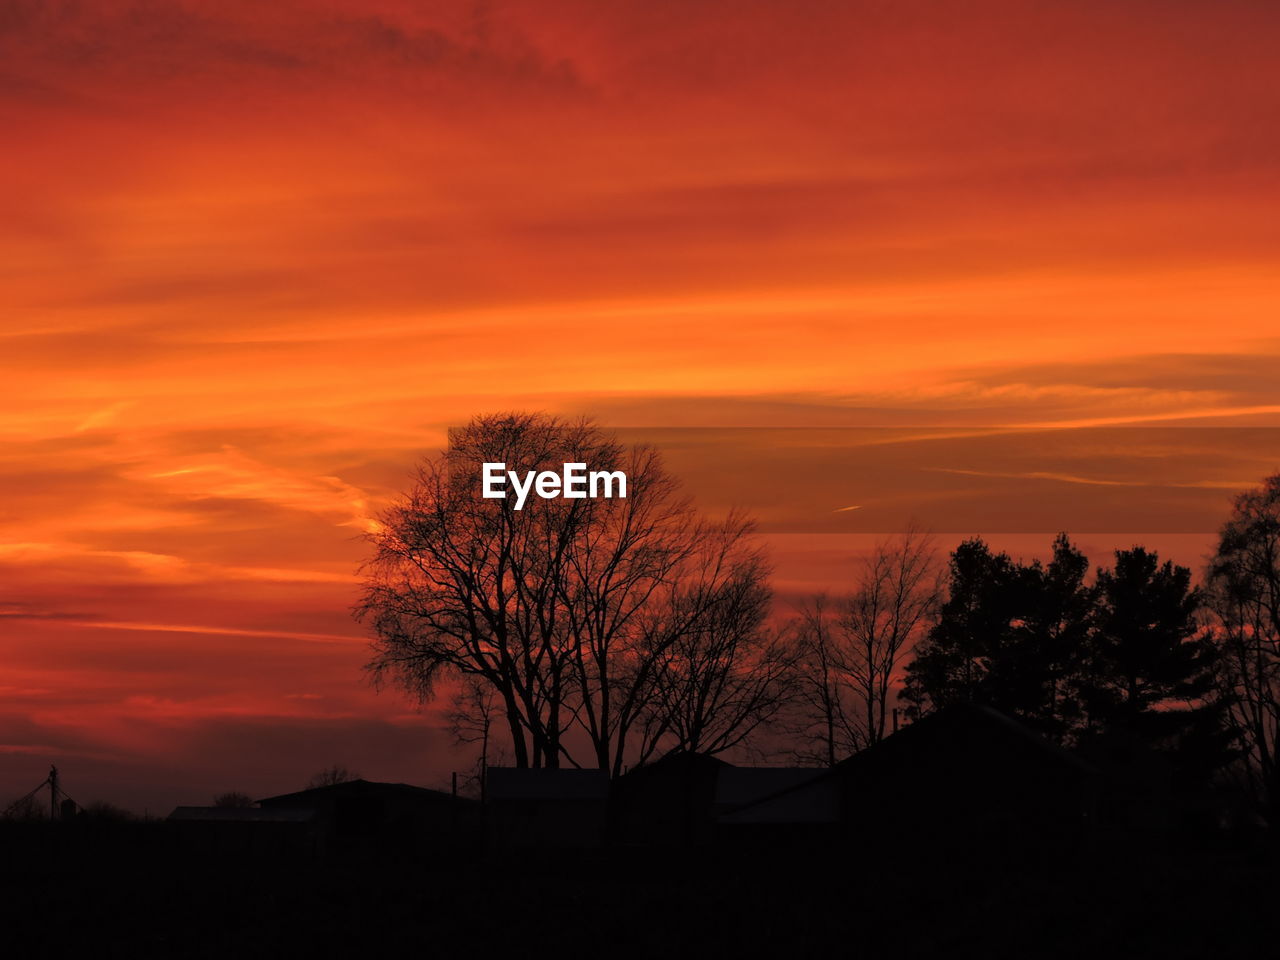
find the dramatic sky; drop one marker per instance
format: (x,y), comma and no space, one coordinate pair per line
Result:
(1018,261)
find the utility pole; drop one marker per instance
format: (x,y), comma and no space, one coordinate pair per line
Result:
(53,793)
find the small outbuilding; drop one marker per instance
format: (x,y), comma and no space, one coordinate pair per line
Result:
(546,807)
(389,815)
(677,799)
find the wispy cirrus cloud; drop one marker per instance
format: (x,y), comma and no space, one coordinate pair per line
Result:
(210,630)
(1101,481)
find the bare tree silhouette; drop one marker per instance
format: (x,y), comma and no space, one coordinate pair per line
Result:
(569,611)
(725,673)
(471,721)
(1244,590)
(27,809)
(849,649)
(233,798)
(331,776)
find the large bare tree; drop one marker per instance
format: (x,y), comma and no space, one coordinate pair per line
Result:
(567,612)
(466,587)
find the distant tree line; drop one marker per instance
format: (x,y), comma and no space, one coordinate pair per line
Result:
(1122,668)
(604,633)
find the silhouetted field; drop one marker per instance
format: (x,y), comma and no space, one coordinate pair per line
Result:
(121,890)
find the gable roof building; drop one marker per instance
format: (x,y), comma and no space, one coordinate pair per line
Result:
(396,814)
(546,807)
(965,775)
(677,799)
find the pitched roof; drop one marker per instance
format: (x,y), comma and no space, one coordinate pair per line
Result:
(961,714)
(359,788)
(677,763)
(683,758)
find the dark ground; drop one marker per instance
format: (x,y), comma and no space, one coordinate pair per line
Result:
(122,890)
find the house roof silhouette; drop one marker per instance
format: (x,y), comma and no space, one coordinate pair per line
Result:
(964,741)
(359,789)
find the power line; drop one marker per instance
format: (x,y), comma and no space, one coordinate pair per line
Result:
(56,796)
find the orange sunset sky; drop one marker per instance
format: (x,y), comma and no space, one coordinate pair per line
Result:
(1013,266)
